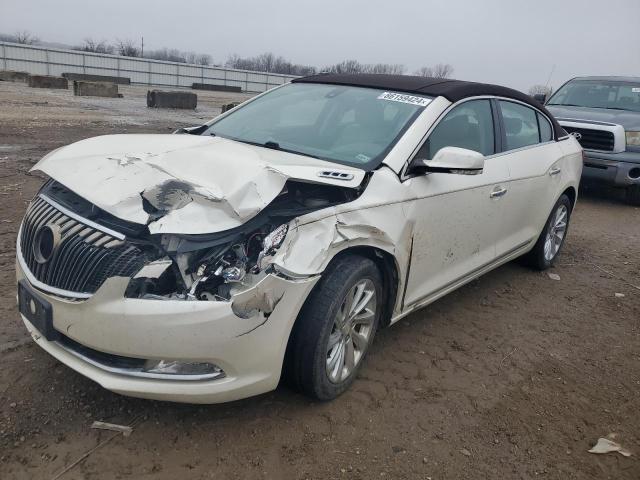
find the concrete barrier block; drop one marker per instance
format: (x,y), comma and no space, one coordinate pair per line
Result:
(95,89)
(160,99)
(228,106)
(44,81)
(215,88)
(11,76)
(97,78)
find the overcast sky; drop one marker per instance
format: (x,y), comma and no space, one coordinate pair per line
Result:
(510,42)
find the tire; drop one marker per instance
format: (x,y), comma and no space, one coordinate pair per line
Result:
(633,195)
(542,256)
(309,355)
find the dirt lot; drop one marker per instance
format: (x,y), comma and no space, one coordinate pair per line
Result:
(513,376)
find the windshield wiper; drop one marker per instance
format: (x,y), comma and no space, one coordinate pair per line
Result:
(273,145)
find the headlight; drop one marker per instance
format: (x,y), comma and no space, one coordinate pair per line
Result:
(633,138)
(275,238)
(270,243)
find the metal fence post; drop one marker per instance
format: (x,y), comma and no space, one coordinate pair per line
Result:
(84,64)
(46,53)
(4,57)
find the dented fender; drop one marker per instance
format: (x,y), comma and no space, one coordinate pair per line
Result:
(372,220)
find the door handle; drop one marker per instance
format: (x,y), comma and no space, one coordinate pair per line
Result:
(555,171)
(498,192)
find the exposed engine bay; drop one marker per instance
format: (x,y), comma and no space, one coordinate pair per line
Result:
(208,267)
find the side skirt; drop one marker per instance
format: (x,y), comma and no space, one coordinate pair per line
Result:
(455,284)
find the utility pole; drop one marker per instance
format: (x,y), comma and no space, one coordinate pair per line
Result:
(142,49)
(550,75)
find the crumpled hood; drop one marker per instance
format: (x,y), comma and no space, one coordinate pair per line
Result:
(194,184)
(629,120)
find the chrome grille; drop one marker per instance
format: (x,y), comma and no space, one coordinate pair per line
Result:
(594,139)
(85,254)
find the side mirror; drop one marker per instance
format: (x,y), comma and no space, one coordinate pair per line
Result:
(451,160)
(541,97)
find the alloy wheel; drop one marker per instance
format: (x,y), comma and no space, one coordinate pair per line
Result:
(351,331)
(555,232)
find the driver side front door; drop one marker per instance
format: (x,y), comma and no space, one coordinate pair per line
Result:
(456,217)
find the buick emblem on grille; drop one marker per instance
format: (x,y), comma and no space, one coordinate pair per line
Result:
(46,242)
(577,135)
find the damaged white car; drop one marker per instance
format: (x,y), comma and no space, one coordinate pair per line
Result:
(279,237)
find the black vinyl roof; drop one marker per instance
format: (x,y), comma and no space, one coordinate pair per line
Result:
(452,90)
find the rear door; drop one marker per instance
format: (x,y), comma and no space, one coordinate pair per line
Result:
(535,162)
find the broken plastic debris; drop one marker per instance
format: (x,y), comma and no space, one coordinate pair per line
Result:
(619,295)
(605,445)
(554,276)
(125,430)
(465,452)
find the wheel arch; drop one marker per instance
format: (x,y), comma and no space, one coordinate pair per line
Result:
(572,193)
(388,267)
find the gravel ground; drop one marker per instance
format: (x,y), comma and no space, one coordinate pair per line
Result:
(515,375)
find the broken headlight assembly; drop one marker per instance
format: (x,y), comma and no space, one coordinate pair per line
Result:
(213,271)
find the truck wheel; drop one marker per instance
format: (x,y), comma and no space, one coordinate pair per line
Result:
(633,195)
(552,237)
(335,328)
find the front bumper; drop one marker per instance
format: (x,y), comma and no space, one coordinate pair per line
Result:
(250,350)
(617,169)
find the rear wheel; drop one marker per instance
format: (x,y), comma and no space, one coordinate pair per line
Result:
(633,195)
(552,238)
(335,328)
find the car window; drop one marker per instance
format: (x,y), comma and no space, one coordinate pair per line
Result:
(520,125)
(610,94)
(469,125)
(546,133)
(349,125)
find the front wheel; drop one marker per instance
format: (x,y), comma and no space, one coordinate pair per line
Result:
(335,328)
(552,238)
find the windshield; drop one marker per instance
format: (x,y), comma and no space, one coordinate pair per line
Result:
(599,94)
(349,125)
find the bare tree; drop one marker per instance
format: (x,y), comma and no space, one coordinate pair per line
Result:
(25,37)
(540,90)
(393,69)
(441,70)
(268,62)
(91,45)
(424,72)
(127,48)
(204,59)
(346,66)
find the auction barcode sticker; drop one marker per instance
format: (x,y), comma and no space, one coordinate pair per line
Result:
(635,90)
(402,98)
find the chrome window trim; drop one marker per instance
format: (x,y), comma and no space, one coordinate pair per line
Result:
(403,172)
(80,219)
(445,112)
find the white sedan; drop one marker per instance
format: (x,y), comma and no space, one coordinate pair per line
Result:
(278,238)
